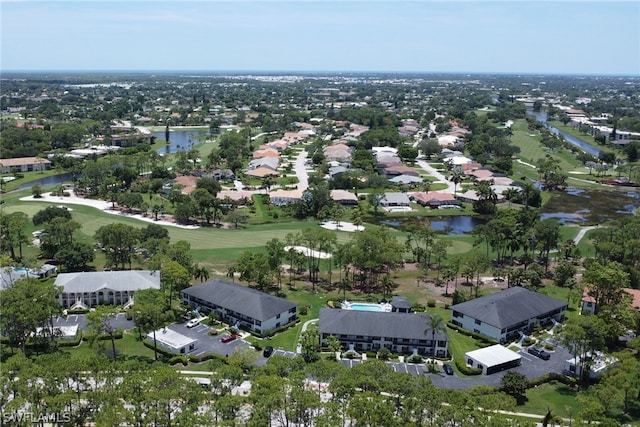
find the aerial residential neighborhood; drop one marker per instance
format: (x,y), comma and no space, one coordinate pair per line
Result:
(320,245)
(202,226)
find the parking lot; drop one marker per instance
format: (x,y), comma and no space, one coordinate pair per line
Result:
(208,343)
(531,367)
(120,321)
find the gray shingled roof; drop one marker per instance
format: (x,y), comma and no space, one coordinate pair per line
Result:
(376,324)
(508,307)
(125,280)
(400,302)
(241,299)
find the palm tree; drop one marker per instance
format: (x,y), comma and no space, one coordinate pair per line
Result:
(527,191)
(201,273)
(435,324)
(457,175)
(344,285)
(510,194)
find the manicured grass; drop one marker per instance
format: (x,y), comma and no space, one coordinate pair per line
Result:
(129,347)
(531,150)
(557,397)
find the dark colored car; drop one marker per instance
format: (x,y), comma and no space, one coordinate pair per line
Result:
(268,351)
(447,369)
(228,338)
(539,353)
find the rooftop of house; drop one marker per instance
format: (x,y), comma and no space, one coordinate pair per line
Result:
(508,307)
(380,324)
(94,281)
(240,299)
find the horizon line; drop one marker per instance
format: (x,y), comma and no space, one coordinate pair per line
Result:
(307,72)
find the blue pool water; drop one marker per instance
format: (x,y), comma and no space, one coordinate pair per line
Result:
(365,307)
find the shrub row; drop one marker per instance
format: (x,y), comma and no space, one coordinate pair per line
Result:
(462,367)
(71,343)
(479,337)
(552,376)
(207,356)
(78,311)
(180,358)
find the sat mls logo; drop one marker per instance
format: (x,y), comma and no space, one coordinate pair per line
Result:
(30,417)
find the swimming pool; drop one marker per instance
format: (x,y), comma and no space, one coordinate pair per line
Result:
(365,306)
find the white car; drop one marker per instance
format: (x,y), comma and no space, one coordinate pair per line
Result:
(194,322)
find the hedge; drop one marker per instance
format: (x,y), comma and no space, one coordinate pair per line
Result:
(207,356)
(180,358)
(78,311)
(71,343)
(149,344)
(552,376)
(462,367)
(479,337)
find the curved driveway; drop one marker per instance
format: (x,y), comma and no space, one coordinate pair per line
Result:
(451,187)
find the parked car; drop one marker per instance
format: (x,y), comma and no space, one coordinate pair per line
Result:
(268,351)
(228,337)
(194,322)
(539,353)
(447,369)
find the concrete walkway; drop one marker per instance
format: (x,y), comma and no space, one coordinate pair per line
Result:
(304,328)
(582,232)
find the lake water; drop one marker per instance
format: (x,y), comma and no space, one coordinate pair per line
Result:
(542,117)
(49,180)
(451,225)
(181,140)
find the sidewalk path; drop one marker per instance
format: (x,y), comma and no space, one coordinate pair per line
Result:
(102,205)
(304,328)
(582,232)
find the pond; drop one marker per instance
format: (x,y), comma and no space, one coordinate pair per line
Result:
(542,117)
(181,140)
(580,206)
(449,225)
(49,180)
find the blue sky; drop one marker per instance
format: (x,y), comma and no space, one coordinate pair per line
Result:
(510,36)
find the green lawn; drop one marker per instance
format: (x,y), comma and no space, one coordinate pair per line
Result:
(531,150)
(128,347)
(557,397)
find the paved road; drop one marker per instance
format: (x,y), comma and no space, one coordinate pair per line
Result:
(451,187)
(301,171)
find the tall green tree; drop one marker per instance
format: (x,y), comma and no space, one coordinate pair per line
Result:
(118,242)
(173,277)
(13,232)
(606,283)
(27,306)
(151,313)
(101,320)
